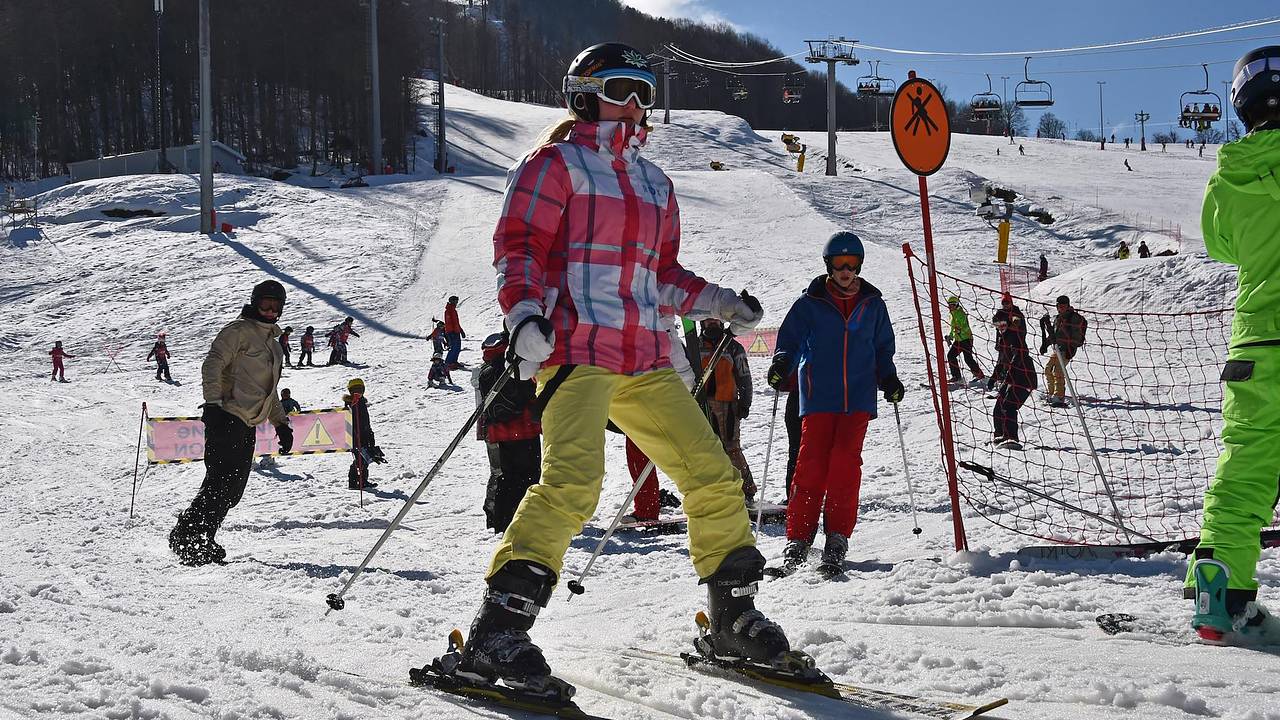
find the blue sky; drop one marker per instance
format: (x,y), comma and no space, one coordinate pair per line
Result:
(1135,80)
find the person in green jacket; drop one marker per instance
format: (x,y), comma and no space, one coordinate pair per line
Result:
(961,338)
(1240,221)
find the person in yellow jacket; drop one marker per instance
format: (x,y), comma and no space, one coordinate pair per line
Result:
(1240,221)
(240,375)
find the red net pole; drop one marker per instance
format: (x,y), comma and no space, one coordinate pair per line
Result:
(953,485)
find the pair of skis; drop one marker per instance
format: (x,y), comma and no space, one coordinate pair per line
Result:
(556,700)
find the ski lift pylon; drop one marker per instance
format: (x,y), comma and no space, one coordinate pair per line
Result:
(1032,93)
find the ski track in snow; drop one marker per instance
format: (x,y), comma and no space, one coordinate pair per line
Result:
(97,620)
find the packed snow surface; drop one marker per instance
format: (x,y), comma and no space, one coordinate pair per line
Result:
(97,619)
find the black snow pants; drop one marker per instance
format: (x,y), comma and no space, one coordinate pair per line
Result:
(518,468)
(958,348)
(228,456)
(1005,415)
(791,416)
(162,367)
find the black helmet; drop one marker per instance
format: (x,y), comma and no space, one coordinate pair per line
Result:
(494,340)
(1255,87)
(349,320)
(267,289)
(587,79)
(310,330)
(453,300)
(288,328)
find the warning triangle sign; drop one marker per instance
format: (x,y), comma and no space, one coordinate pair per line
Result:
(317,435)
(758,345)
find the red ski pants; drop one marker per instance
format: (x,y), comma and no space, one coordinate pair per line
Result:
(828,474)
(646,506)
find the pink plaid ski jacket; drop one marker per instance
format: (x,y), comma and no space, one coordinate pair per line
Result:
(595,225)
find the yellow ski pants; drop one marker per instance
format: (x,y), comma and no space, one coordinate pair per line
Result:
(658,414)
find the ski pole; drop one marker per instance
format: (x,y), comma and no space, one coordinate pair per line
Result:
(335,600)
(575,586)
(906,470)
(768,451)
(141,421)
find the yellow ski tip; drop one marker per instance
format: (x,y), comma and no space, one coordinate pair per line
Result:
(455,639)
(702,620)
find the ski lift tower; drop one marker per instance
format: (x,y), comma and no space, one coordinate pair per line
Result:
(831,52)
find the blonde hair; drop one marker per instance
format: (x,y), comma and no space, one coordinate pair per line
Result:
(555,132)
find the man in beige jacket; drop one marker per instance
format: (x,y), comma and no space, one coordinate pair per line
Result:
(240,375)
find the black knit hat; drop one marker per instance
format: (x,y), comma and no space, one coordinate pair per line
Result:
(1064,300)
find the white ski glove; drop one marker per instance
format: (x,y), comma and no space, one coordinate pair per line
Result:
(532,337)
(742,312)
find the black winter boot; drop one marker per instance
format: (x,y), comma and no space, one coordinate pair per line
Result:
(834,551)
(738,629)
(189,543)
(794,555)
(499,644)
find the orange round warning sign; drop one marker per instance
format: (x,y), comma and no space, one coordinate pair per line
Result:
(921,128)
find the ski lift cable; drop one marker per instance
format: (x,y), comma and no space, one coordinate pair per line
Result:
(731,72)
(917,61)
(722,63)
(1056,51)
(1083,71)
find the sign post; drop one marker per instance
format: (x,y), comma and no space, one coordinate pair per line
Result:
(921,132)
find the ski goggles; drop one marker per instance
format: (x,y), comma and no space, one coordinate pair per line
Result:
(846,262)
(1257,67)
(615,89)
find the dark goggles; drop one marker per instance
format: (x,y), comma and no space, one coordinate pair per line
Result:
(846,262)
(1257,67)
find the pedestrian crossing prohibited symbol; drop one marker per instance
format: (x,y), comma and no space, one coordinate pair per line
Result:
(920,127)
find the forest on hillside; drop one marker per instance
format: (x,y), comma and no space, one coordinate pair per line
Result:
(291,78)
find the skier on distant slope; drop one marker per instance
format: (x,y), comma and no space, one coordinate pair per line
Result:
(1241,226)
(240,375)
(57,353)
(308,346)
(589,236)
(161,353)
(839,337)
(364,450)
(453,332)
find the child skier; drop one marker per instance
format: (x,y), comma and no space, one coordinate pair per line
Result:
(961,338)
(364,450)
(284,345)
(161,353)
(439,343)
(287,402)
(1241,226)
(609,243)
(839,337)
(438,375)
(511,428)
(57,353)
(308,346)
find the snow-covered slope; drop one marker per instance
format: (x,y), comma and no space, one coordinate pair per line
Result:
(98,620)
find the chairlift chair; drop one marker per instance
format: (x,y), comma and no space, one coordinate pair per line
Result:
(985,104)
(1032,93)
(736,90)
(1200,108)
(793,88)
(884,85)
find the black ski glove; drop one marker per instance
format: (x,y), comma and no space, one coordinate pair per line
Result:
(376,454)
(744,408)
(284,435)
(778,371)
(213,413)
(892,389)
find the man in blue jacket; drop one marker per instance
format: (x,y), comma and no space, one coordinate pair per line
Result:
(838,339)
